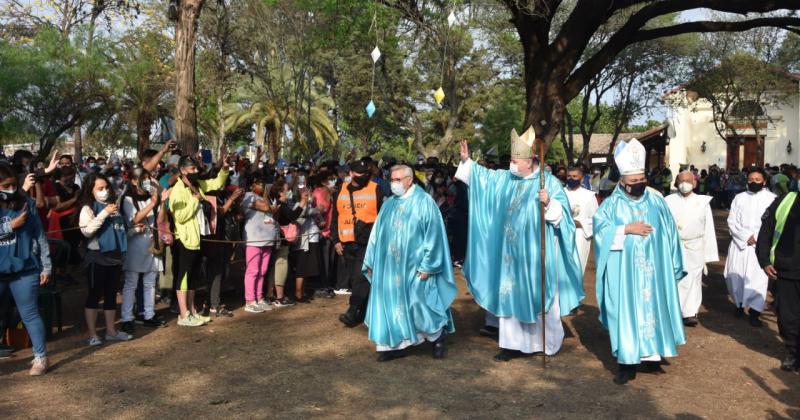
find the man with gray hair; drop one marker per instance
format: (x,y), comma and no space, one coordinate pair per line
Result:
(408,265)
(692,214)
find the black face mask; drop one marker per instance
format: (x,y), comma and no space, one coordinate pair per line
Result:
(636,190)
(573,183)
(193,178)
(754,187)
(361,180)
(4,196)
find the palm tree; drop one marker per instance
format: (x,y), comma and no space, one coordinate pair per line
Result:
(306,117)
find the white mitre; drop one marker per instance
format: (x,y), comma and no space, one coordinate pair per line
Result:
(630,157)
(522,146)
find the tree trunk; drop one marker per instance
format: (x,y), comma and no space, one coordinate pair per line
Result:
(272,143)
(220,125)
(185,41)
(77,138)
(143,131)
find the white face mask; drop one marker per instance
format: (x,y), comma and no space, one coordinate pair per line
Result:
(332,183)
(398,189)
(685,187)
(348,178)
(101,196)
(514,169)
(147,185)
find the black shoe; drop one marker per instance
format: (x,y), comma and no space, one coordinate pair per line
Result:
(222,311)
(489,331)
(625,373)
(755,322)
(387,356)
(304,299)
(128,327)
(789,362)
(739,313)
(690,321)
(6,351)
(652,367)
(506,355)
(154,322)
(349,320)
(139,319)
(439,348)
(206,311)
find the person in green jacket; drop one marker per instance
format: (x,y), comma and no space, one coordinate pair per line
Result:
(186,203)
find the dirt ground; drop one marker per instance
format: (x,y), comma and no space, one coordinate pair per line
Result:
(300,362)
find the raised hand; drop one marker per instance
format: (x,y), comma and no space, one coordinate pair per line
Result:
(464,150)
(53,162)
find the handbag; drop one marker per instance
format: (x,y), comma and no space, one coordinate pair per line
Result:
(291,232)
(361,230)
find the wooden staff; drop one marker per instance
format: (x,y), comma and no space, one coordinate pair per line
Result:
(542,242)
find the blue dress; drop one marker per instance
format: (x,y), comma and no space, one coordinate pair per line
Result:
(637,286)
(408,237)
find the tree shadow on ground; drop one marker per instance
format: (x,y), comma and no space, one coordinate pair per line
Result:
(285,366)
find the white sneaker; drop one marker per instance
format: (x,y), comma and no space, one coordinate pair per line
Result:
(265,305)
(120,336)
(190,321)
(95,341)
(253,308)
(343,292)
(39,366)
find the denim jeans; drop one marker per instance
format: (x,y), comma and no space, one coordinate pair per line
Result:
(132,279)
(25,290)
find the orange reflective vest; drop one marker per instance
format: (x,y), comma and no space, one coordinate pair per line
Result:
(366,202)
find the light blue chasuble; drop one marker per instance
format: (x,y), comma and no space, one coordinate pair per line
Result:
(637,286)
(408,237)
(504,253)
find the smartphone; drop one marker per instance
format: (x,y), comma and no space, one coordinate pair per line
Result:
(206,154)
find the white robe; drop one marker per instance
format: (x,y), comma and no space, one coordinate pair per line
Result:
(514,334)
(584,204)
(695,224)
(746,281)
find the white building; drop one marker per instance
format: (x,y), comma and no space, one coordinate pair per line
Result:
(694,140)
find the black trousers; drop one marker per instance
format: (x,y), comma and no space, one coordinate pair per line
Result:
(353,260)
(103,283)
(787,300)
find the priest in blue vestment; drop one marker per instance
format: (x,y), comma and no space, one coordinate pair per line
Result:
(502,267)
(639,264)
(408,265)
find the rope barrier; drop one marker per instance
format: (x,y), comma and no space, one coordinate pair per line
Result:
(280,237)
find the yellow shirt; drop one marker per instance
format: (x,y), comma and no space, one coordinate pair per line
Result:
(184,207)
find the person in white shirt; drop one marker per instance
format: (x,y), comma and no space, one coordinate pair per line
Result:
(102,225)
(746,281)
(583,203)
(692,214)
(139,210)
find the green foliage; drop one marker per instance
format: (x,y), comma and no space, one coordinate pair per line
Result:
(46,85)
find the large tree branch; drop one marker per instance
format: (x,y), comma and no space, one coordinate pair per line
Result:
(710,26)
(630,33)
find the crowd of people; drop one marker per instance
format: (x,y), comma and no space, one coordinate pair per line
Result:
(169,225)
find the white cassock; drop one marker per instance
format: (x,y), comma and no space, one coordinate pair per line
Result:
(695,224)
(747,282)
(584,204)
(514,334)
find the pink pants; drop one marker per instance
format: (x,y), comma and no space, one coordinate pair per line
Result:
(257,260)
